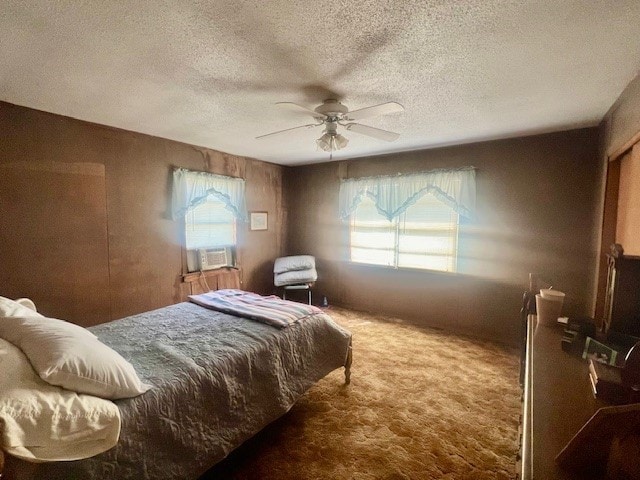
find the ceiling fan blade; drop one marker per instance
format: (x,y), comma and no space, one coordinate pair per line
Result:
(376,110)
(372,132)
(288,130)
(294,107)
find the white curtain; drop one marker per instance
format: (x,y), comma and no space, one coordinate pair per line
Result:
(192,188)
(395,193)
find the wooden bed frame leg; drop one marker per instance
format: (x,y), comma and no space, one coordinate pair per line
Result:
(347,365)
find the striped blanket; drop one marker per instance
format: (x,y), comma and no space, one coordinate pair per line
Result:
(271,310)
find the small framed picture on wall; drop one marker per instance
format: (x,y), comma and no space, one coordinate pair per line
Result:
(259,221)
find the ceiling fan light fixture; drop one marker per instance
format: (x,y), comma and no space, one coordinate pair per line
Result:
(324,142)
(330,142)
(340,141)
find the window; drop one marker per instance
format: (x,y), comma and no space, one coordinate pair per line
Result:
(408,220)
(210,224)
(425,236)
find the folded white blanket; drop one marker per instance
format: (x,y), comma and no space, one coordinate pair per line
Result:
(293,263)
(40,422)
(295,277)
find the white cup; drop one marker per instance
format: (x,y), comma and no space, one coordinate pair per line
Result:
(547,310)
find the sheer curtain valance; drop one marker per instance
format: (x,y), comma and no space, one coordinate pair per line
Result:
(192,188)
(394,194)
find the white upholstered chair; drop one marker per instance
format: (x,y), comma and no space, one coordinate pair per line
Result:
(294,273)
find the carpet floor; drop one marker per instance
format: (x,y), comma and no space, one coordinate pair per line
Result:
(422,404)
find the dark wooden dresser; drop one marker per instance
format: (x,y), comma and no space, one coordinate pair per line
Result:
(622,302)
(557,402)
(559,409)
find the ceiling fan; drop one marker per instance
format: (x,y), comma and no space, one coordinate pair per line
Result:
(332,114)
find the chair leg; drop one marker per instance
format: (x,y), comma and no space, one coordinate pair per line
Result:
(309,296)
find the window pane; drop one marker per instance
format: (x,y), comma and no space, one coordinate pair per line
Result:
(210,225)
(372,256)
(428,236)
(373,237)
(428,242)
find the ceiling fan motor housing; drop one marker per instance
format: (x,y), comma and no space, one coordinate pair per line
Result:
(332,108)
(331,127)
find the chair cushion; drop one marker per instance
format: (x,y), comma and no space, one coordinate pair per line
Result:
(297,276)
(294,263)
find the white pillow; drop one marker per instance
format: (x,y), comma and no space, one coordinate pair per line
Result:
(27,302)
(21,308)
(71,357)
(41,422)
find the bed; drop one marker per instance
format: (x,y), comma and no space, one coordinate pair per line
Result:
(217,379)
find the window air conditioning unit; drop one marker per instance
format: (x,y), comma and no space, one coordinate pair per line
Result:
(210,258)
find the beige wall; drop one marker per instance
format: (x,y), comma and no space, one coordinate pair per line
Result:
(84,216)
(537,202)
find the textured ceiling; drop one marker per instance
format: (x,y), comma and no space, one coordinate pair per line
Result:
(210,72)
